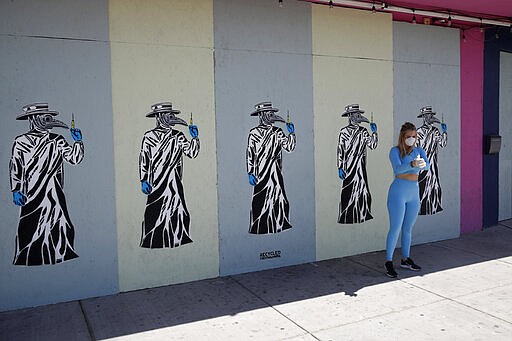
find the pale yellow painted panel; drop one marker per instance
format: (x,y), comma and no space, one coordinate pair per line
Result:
(171,22)
(143,75)
(351,33)
(337,83)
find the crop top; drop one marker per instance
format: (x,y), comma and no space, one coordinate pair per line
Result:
(403,165)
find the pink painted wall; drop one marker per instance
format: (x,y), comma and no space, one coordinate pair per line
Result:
(471,125)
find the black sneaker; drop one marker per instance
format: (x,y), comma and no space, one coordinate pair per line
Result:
(409,264)
(390,270)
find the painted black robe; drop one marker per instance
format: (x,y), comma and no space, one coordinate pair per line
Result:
(166,218)
(355,198)
(430,139)
(45,231)
(270,207)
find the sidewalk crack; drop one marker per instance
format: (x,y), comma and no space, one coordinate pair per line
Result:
(275,309)
(87,322)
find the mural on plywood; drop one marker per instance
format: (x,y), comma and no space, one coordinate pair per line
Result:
(355,198)
(166,218)
(270,207)
(45,232)
(430,139)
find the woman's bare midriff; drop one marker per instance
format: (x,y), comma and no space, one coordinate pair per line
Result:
(408,176)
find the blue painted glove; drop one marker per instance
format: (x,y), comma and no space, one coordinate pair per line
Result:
(444,127)
(290,127)
(19,198)
(76,134)
(146,187)
(252,180)
(341,174)
(373,127)
(194,132)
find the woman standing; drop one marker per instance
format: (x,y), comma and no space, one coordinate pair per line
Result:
(407,161)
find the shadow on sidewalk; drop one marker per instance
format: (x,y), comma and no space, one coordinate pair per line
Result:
(156,308)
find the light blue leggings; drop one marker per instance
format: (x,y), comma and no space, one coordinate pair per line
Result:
(403,208)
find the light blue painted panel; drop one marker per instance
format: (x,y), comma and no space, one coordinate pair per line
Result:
(505,171)
(263,26)
(425,44)
(427,72)
(72,76)
(55,18)
(242,79)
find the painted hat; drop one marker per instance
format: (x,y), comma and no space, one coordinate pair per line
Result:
(161,108)
(352,109)
(426,111)
(263,106)
(35,109)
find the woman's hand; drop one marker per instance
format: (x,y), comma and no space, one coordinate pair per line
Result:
(418,162)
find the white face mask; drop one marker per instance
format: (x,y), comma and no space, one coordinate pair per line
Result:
(410,141)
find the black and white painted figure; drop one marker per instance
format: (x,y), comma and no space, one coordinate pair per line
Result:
(270,207)
(430,139)
(45,232)
(355,198)
(166,218)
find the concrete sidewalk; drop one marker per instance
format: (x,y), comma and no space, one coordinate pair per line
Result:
(464,292)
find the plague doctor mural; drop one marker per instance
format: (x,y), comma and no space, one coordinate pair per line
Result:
(166,218)
(355,198)
(430,139)
(45,232)
(270,207)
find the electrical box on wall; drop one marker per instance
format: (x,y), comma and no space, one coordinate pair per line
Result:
(492,144)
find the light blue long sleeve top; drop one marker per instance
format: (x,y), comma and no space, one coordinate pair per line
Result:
(403,165)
